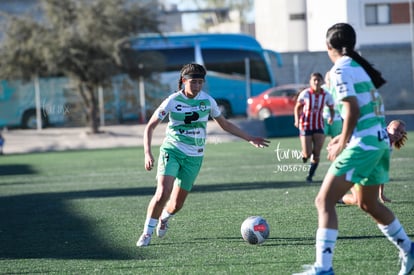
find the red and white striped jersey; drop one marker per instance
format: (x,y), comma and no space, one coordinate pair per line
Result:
(313,103)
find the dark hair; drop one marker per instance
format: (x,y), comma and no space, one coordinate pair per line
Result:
(342,37)
(316,74)
(192,69)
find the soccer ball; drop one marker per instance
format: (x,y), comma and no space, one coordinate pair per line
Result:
(255,230)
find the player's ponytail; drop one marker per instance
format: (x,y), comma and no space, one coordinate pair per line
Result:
(342,37)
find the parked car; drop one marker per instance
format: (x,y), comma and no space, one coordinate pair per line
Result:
(276,101)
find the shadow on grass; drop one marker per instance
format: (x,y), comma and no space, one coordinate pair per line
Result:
(16,169)
(41,226)
(283,241)
(248,186)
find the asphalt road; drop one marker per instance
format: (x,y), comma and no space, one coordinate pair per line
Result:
(19,141)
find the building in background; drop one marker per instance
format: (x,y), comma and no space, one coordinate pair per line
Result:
(297,29)
(185,17)
(300,25)
(282,25)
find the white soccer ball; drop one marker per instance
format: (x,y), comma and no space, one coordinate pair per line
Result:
(255,230)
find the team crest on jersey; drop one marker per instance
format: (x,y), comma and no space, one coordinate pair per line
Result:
(203,106)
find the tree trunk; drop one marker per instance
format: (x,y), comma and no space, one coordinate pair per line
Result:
(90,100)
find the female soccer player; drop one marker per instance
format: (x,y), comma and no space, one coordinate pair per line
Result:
(308,118)
(360,154)
(181,153)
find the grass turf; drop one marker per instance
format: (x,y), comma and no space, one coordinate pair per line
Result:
(81,212)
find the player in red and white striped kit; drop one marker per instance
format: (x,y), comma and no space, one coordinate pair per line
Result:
(309,120)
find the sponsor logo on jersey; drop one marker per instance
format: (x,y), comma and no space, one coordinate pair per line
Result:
(161,114)
(179,107)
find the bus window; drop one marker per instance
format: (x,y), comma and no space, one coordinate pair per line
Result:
(171,59)
(224,57)
(232,62)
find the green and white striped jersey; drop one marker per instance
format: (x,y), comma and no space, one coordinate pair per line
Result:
(348,78)
(326,113)
(188,117)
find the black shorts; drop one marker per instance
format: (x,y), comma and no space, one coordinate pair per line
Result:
(310,132)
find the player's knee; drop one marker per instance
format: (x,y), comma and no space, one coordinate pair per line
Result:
(162,196)
(175,206)
(365,206)
(324,204)
(319,203)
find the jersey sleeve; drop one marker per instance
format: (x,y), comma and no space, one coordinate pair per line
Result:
(302,96)
(214,110)
(164,108)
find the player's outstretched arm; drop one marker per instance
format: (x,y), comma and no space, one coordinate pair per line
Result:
(236,131)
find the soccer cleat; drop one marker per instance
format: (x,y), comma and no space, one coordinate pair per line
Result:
(407,261)
(309,179)
(144,240)
(162,228)
(313,270)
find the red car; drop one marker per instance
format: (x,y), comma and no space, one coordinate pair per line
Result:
(276,101)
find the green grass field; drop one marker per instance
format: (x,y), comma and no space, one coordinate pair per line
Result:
(81,212)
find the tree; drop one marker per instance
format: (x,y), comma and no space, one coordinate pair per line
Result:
(79,39)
